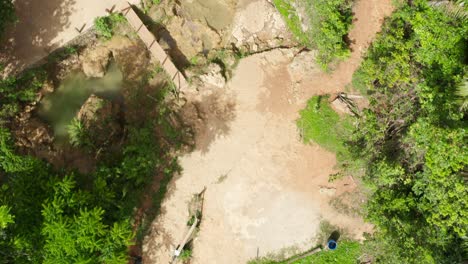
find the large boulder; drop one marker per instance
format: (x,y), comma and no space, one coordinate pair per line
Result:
(190,37)
(32,133)
(95,60)
(99,119)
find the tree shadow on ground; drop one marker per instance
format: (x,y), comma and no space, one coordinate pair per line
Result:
(32,37)
(209,118)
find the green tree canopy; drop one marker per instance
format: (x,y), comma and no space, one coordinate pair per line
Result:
(413,136)
(7,14)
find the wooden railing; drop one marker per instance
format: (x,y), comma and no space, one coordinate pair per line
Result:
(155,49)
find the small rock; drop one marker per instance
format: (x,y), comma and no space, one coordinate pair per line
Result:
(330,191)
(29,108)
(47,87)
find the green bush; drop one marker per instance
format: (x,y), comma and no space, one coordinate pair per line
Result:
(105,26)
(330,24)
(413,136)
(185,255)
(292,20)
(347,252)
(7,14)
(74,232)
(17,91)
(5,217)
(321,124)
(76,133)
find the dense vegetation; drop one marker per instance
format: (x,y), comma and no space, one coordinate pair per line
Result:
(328,23)
(7,14)
(58,216)
(18,91)
(412,139)
(346,253)
(413,136)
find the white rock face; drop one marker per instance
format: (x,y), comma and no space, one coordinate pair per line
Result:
(190,37)
(214,76)
(95,61)
(341,107)
(303,65)
(259,26)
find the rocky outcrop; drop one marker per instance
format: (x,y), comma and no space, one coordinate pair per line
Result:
(131,56)
(88,111)
(217,14)
(213,76)
(95,60)
(196,27)
(33,134)
(258,26)
(189,36)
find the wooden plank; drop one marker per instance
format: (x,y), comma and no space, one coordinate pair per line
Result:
(184,241)
(155,49)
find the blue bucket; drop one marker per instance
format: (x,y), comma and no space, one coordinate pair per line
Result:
(332,245)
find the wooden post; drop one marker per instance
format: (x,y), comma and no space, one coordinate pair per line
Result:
(184,241)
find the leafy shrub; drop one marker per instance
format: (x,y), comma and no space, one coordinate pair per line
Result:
(185,255)
(5,217)
(63,53)
(140,155)
(413,136)
(331,21)
(16,91)
(105,26)
(347,252)
(7,14)
(76,133)
(74,232)
(292,20)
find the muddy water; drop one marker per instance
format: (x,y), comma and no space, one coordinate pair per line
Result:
(60,107)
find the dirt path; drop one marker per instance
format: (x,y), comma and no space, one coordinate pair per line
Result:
(44,25)
(264,187)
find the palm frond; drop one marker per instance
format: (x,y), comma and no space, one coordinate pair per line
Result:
(462,94)
(455,9)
